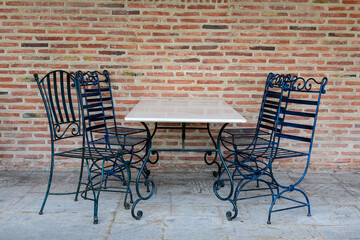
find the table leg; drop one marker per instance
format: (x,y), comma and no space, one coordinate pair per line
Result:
(222,180)
(209,153)
(142,178)
(155,153)
(183,126)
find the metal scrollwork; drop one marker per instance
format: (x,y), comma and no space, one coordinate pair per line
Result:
(87,78)
(58,133)
(296,83)
(276,80)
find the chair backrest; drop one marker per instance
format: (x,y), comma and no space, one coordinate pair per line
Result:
(58,92)
(271,107)
(97,104)
(300,113)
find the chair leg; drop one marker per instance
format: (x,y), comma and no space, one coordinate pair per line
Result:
(302,204)
(96,195)
(48,187)
(128,190)
(80,180)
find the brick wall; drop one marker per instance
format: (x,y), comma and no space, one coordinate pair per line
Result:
(186,49)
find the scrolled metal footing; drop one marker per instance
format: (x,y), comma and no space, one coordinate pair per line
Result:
(127,206)
(309,214)
(229,216)
(221,183)
(138,215)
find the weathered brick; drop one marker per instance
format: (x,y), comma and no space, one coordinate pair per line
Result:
(215,27)
(111,5)
(125,12)
(262,48)
(34,44)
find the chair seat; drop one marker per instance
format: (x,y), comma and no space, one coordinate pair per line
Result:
(244,131)
(271,152)
(122,141)
(239,140)
(121,131)
(88,153)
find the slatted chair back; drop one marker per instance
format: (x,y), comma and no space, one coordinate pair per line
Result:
(96,99)
(298,123)
(58,92)
(271,107)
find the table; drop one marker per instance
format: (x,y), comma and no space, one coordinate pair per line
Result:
(180,111)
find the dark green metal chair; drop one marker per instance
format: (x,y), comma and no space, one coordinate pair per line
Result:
(233,142)
(66,120)
(100,127)
(132,140)
(99,117)
(59,96)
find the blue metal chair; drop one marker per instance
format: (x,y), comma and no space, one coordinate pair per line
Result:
(132,141)
(66,121)
(101,132)
(234,141)
(98,107)
(291,124)
(297,131)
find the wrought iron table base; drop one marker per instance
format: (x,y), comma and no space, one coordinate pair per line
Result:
(150,185)
(208,152)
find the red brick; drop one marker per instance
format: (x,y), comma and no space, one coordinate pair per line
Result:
(181,27)
(341,21)
(157,27)
(9,10)
(201,7)
(19,3)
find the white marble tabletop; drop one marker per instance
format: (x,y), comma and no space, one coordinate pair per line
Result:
(184,111)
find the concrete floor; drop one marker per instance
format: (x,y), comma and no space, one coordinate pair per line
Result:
(183,207)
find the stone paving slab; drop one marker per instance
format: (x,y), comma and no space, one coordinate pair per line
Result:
(183,207)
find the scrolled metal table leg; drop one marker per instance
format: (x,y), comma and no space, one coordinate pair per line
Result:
(220,183)
(149,184)
(209,153)
(154,153)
